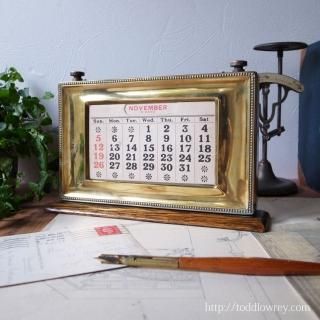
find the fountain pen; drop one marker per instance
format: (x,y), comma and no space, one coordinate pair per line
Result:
(233,265)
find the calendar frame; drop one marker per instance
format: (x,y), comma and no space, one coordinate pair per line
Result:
(235,190)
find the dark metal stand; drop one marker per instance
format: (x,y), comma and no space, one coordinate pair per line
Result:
(268,183)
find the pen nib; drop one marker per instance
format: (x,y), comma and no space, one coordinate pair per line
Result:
(110,259)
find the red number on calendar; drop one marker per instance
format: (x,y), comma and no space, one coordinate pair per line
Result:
(99,165)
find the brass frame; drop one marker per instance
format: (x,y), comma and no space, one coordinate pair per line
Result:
(236,138)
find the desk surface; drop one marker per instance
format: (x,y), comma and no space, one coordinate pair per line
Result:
(148,295)
(30,219)
(34,217)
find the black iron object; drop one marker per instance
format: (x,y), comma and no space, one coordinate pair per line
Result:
(268,183)
(77,75)
(238,65)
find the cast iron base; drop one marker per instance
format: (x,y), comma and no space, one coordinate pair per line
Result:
(270,185)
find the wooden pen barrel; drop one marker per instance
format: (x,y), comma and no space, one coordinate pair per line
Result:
(250,266)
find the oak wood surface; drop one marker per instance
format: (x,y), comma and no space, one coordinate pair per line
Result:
(32,218)
(259,222)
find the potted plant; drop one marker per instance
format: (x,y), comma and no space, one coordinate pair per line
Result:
(23,119)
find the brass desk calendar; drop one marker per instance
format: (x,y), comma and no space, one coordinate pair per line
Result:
(176,149)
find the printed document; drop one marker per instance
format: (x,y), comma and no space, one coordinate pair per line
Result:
(55,254)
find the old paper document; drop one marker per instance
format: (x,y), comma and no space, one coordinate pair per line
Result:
(54,254)
(139,293)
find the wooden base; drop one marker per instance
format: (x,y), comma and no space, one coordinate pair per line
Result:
(259,222)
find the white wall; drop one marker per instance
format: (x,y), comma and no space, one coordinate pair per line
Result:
(46,40)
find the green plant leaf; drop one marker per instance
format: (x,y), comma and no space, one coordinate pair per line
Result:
(30,125)
(9,205)
(4,93)
(13,75)
(22,121)
(48,95)
(3,126)
(17,110)
(6,164)
(8,201)
(46,121)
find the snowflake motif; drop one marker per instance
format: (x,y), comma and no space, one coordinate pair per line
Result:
(204,178)
(98,129)
(99,174)
(167,177)
(131,129)
(184,178)
(148,176)
(114,175)
(114,129)
(131,175)
(204,168)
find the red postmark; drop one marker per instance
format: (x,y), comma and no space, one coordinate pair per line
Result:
(107,230)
